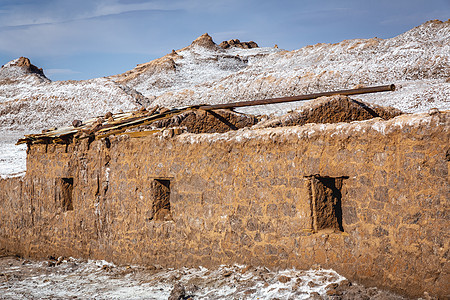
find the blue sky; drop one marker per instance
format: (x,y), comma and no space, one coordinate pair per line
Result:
(82,39)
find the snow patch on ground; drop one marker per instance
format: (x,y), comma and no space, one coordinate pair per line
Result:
(12,157)
(70,278)
(12,160)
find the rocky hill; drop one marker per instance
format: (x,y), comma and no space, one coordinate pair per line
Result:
(417,61)
(204,72)
(30,101)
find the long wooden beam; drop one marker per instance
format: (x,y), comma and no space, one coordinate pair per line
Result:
(366,90)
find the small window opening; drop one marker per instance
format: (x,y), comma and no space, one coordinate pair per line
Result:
(326,204)
(66,188)
(161,200)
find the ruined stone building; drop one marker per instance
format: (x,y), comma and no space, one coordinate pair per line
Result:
(365,196)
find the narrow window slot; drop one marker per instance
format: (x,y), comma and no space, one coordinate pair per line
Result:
(66,196)
(326,204)
(161,200)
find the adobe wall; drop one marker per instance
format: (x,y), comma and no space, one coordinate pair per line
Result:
(247,197)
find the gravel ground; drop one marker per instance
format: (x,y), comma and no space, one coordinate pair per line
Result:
(69,278)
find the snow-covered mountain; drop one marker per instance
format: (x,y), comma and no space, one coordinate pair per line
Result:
(204,72)
(30,101)
(417,61)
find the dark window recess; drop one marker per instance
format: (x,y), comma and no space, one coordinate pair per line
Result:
(161,200)
(66,193)
(326,204)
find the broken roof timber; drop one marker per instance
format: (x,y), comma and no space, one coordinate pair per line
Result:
(120,123)
(100,128)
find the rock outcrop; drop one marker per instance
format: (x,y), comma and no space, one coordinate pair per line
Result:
(205,41)
(27,65)
(20,68)
(238,44)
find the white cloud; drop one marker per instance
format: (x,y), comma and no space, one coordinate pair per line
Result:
(96,35)
(113,7)
(69,11)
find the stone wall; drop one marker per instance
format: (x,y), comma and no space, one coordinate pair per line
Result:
(369,199)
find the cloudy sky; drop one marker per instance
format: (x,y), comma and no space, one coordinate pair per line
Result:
(82,39)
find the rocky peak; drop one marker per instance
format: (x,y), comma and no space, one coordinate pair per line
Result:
(25,63)
(239,44)
(25,68)
(205,41)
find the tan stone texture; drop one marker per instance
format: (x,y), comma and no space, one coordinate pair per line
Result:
(245,197)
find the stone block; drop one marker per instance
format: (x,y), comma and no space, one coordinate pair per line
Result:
(349,215)
(272,210)
(381,193)
(252,224)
